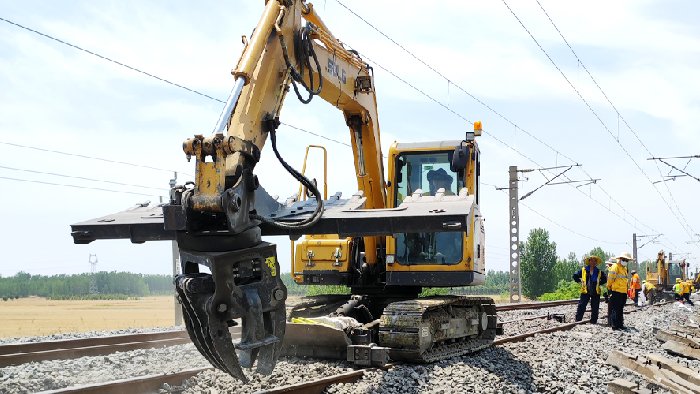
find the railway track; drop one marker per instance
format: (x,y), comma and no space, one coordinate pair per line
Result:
(152,383)
(20,353)
(534,305)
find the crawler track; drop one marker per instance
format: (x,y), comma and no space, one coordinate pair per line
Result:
(317,386)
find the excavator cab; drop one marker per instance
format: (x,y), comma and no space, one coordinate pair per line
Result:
(412,260)
(435,259)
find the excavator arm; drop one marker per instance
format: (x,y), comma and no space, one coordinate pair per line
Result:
(282,52)
(217,221)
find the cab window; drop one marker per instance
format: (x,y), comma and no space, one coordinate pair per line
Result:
(429,172)
(425,171)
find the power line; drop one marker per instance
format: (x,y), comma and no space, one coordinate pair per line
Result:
(452,82)
(178,85)
(517,127)
(81,177)
(491,135)
(82,156)
(316,134)
(557,223)
(446,107)
(590,108)
(580,62)
(675,168)
(50,37)
(77,186)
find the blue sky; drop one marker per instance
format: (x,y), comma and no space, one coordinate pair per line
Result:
(644,54)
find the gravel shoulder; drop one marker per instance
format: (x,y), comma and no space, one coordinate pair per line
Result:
(562,362)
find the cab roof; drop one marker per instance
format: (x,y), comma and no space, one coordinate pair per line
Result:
(427,145)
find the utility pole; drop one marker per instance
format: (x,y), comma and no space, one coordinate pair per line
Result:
(516,291)
(634,250)
(93,269)
(636,237)
(176,260)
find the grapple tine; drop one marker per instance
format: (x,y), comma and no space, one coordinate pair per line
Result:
(253,328)
(275,323)
(225,349)
(188,287)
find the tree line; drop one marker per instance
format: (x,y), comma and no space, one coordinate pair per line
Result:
(495,283)
(547,277)
(107,285)
(544,275)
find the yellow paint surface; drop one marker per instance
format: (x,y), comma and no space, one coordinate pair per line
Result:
(39,316)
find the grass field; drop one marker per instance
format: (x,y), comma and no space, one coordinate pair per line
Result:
(39,316)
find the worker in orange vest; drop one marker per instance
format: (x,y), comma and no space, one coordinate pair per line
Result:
(636,286)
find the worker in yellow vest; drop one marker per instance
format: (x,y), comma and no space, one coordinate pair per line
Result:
(649,291)
(687,289)
(590,278)
(678,290)
(617,284)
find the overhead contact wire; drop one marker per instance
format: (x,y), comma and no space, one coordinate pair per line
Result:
(595,82)
(486,106)
(595,114)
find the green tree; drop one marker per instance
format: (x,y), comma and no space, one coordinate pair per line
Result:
(537,260)
(497,279)
(643,268)
(564,268)
(604,256)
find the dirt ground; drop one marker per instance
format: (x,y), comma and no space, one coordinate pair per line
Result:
(39,316)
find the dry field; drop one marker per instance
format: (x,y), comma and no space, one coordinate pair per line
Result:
(39,316)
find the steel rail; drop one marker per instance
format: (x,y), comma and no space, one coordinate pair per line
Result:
(317,386)
(534,305)
(561,327)
(92,341)
(20,353)
(141,384)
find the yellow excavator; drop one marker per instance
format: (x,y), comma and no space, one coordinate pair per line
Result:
(417,228)
(664,276)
